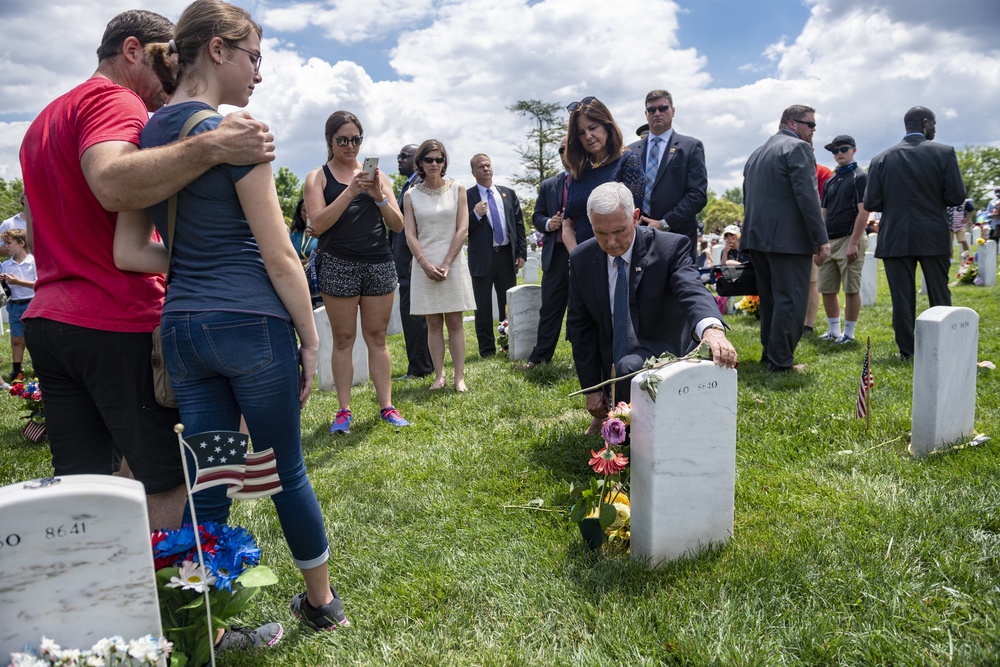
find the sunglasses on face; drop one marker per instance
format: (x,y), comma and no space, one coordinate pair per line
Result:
(343,141)
(404,156)
(562,149)
(573,106)
(661,108)
(841,149)
(811,126)
(432,160)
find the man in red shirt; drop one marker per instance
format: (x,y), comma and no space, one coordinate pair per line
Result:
(89,327)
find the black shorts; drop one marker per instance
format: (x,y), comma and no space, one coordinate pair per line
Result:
(99,402)
(347,279)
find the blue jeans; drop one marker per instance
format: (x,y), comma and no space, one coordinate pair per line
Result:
(224,364)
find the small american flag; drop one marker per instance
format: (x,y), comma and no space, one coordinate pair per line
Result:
(33,430)
(222,458)
(864,387)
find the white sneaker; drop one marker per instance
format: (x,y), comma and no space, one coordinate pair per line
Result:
(829,336)
(845,340)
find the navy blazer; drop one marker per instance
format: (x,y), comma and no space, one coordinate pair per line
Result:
(680,190)
(912,183)
(481,232)
(666,300)
(549,202)
(781,198)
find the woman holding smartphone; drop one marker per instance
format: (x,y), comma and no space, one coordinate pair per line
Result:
(349,210)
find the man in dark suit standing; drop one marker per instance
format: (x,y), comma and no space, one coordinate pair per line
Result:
(912,183)
(783,229)
(634,294)
(676,179)
(497,247)
(548,219)
(414,328)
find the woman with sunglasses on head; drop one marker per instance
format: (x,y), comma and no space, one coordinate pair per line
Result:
(349,211)
(437,221)
(237,296)
(596,154)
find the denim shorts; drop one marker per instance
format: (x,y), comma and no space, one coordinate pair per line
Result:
(14,313)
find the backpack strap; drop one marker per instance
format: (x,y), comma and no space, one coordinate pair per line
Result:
(195,118)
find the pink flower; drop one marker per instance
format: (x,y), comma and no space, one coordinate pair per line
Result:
(607,461)
(613,431)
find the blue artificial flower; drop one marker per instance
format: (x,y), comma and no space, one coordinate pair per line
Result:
(226,566)
(175,543)
(239,542)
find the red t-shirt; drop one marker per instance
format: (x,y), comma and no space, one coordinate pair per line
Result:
(73,235)
(823,174)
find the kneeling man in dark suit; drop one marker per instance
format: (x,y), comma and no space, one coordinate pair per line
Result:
(634,293)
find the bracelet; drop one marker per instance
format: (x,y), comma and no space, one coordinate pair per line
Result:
(382,203)
(418,259)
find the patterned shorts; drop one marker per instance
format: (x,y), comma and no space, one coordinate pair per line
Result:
(347,279)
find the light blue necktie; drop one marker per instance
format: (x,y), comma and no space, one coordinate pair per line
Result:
(652,165)
(619,319)
(494,218)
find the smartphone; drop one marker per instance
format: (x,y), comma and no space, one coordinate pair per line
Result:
(369,166)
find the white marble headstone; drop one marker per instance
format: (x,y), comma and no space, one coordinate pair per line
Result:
(717,253)
(683,476)
(944,377)
(872,242)
(869,280)
(75,563)
(395,321)
(988,263)
(324,371)
(977,234)
(923,281)
(530,270)
(523,303)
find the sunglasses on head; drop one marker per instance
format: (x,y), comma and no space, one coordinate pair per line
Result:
(573,106)
(840,149)
(343,141)
(811,126)
(432,160)
(661,108)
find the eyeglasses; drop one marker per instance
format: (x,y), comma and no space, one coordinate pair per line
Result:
(432,160)
(343,141)
(661,108)
(573,106)
(841,149)
(255,58)
(811,126)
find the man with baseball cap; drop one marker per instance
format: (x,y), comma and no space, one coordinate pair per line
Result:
(845,217)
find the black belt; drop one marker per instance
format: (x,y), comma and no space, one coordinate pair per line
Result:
(498,248)
(18,302)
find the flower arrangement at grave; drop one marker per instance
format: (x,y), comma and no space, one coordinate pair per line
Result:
(31,394)
(604,499)
(980,241)
(749,305)
(109,652)
(503,342)
(969,271)
(232,576)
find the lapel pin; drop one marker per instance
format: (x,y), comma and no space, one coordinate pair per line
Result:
(673,149)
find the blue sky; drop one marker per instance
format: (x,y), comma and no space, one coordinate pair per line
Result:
(417,69)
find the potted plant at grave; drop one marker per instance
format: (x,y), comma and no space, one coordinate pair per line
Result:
(503,342)
(232,576)
(602,509)
(31,393)
(749,305)
(968,272)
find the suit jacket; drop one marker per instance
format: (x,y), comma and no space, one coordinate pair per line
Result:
(481,232)
(549,202)
(401,254)
(681,185)
(912,183)
(781,198)
(666,300)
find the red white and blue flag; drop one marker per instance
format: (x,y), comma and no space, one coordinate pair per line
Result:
(222,458)
(863,405)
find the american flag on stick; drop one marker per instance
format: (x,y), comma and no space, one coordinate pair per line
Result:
(221,457)
(862,409)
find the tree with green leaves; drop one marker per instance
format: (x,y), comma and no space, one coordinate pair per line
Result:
(540,156)
(289,189)
(734,195)
(980,167)
(10,197)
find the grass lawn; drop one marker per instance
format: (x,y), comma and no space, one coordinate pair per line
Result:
(859,557)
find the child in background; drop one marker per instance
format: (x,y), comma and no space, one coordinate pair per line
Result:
(19,275)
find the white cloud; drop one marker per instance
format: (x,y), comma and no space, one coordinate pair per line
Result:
(454,66)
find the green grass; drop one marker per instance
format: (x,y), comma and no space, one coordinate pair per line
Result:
(864,558)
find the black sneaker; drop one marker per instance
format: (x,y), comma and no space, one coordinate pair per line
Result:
(238,638)
(328,617)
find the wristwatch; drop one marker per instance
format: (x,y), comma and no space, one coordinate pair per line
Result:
(713,326)
(664,226)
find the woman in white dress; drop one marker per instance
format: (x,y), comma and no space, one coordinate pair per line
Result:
(436,221)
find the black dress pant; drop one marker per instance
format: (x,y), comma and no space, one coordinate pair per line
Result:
(501,277)
(555,296)
(414,333)
(783,284)
(900,273)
